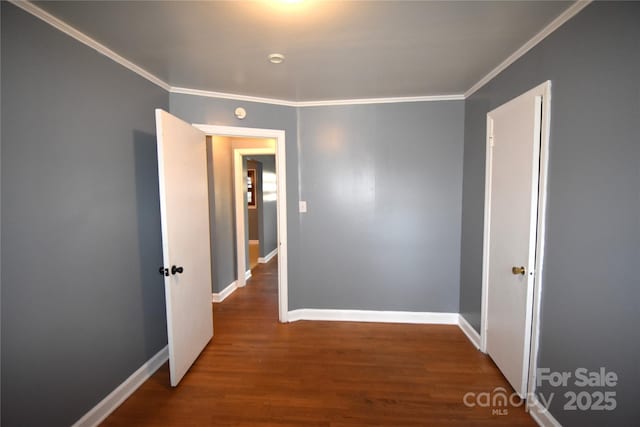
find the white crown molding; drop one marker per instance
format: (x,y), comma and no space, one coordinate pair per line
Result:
(546,31)
(373,316)
(235,97)
(392,100)
(468,330)
(85,39)
(114,399)
(232,96)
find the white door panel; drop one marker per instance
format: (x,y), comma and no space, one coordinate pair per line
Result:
(514,131)
(184,209)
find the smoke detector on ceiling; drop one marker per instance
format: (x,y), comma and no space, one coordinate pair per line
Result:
(276,58)
(240,113)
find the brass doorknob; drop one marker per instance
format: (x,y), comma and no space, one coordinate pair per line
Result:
(518,270)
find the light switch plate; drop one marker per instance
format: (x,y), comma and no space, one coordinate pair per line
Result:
(303,206)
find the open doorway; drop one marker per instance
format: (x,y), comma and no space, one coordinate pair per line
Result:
(261,209)
(229,206)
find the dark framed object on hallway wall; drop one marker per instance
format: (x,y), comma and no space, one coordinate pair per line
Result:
(251,188)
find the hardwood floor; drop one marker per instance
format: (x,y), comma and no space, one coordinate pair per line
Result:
(254,254)
(258,372)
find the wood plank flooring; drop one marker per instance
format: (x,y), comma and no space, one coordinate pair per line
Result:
(258,372)
(254,254)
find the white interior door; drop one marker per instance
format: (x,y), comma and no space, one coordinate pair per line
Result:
(514,141)
(184,208)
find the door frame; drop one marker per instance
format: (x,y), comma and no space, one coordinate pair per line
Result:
(280,154)
(544,91)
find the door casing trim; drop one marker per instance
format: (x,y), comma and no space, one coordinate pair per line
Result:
(280,154)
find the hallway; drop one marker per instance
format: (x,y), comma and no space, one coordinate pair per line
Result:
(258,372)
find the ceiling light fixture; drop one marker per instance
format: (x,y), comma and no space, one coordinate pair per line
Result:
(276,58)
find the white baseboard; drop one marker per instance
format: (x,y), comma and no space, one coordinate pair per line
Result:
(114,399)
(468,330)
(540,414)
(269,257)
(222,295)
(373,316)
(247,275)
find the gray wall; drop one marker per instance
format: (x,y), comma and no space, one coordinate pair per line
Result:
(246,218)
(591,288)
(383,185)
(268,221)
(221,208)
(82,301)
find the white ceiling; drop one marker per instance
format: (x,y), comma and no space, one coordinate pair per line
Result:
(334,50)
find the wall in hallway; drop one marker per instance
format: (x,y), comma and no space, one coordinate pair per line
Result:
(221,204)
(254,213)
(267,205)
